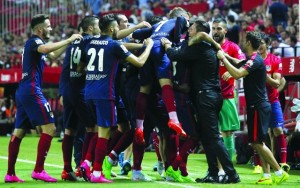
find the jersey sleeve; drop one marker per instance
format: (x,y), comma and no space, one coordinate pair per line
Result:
(250,65)
(277,65)
(142,34)
(121,51)
(178,53)
(35,44)
(180,28)
(238,54)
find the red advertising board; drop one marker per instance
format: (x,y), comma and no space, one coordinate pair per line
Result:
(10,76)
(291,66)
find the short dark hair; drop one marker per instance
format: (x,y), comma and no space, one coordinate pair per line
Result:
(220,20)
(231,18)
(88,21)
(266,38)
(202,26)
(106,20)
(294,39)
(38,19)
(254,38)
(274,38)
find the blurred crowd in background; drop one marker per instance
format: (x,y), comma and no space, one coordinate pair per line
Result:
(284,27)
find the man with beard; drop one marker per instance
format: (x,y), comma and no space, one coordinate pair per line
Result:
(32,107)
(102,55)
(228,119)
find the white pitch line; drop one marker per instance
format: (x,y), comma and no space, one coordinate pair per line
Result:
(177,184)
(32,162)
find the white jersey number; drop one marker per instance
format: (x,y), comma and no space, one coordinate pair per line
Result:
(92,52)
(160,25)
(75,56)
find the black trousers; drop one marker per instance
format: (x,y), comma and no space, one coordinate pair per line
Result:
(208,106)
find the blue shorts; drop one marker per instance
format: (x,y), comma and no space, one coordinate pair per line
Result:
(258,120)
(277,116)
(33,109)
(105,110)
(77,112)
(121,110)
(185,113)
(158,64)
(132,88)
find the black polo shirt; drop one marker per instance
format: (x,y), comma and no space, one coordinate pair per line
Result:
(204,64)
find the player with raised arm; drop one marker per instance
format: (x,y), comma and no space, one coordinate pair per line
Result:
(102,57)
(33,110)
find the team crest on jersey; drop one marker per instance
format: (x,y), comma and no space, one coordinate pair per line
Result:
(38,41)
(280,66)
(249,63)
(44,58)
(268,68)
(124,48)
(51,114)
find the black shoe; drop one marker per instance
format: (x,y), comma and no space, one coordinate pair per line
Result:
(125,169)
(208,179)
(230,179)
(221,177)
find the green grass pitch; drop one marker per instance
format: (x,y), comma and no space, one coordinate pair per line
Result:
(197,167)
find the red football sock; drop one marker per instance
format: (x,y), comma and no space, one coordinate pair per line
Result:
(91,150)
(100,153)
(85,145)
(187,148)
(183,168)
(123,143)
(141,105)
(67,149)
(167,95)
(114,140)
(281,147)
(156,145)
(172,145)
(13,151)
(43,148)
(138,151)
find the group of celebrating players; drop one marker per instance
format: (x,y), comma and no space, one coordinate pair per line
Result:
(120,82)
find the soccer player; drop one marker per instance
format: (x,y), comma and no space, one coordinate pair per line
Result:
(171,29)
(274,69)
(119,141)
(32,107)
(102,57)
(258,106)
(207,97)
(228,119)
(181,86)
(76,110)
